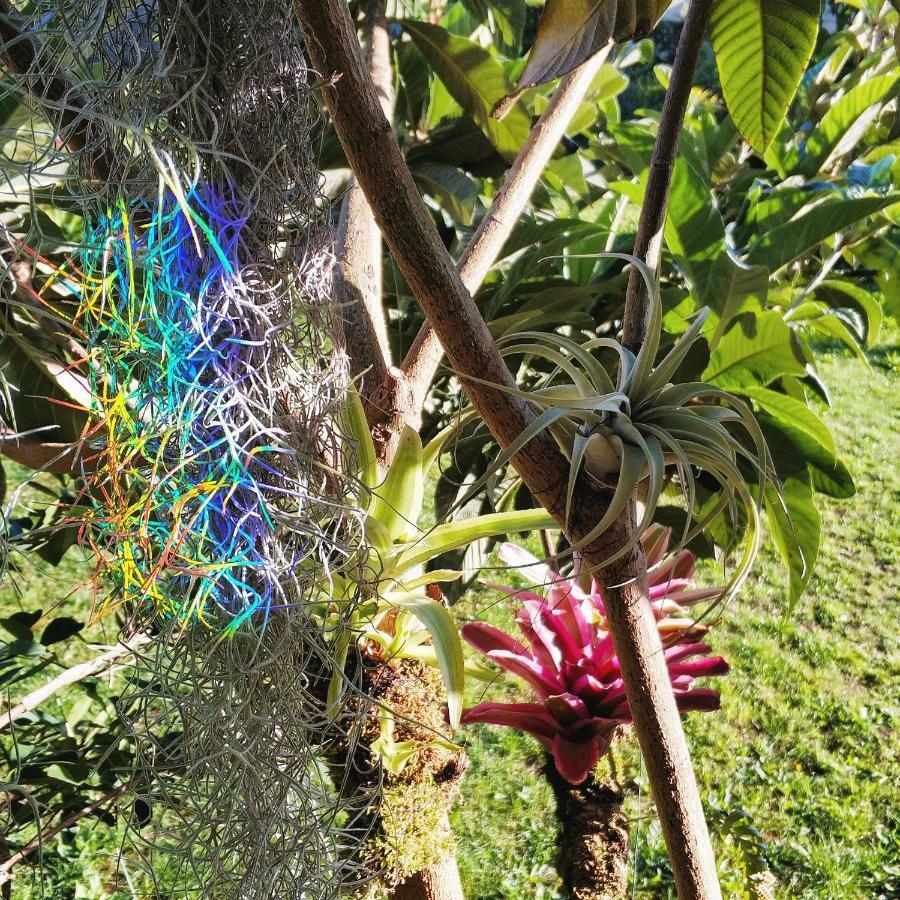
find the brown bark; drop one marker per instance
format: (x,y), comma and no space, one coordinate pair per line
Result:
(424,356)
(438,882)
(593,851)
(357,274)
(375,156)
(649,241)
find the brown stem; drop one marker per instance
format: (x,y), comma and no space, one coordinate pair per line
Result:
(425,354)
(437,882)
(357,275)
(593,850)
(649,241)
(412,237)
(71,676)
(44,82)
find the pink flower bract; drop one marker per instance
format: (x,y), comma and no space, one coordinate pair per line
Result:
(569,662)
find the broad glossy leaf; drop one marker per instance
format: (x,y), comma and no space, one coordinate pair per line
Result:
(452,188)
(795,531)
(757,350)
(732,289)
(695,232)
(571,31)
(792,240)
(762,48)
(828,475)
(844,125)
(844,293)
(476,81)
(793,412)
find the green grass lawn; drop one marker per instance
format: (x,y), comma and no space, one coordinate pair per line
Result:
(799,768)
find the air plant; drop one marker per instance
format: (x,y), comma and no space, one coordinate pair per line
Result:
(569,660)
(634,431)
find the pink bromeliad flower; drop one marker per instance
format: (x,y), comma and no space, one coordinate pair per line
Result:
(570,663)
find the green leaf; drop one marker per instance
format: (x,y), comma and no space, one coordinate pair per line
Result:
(792,240)
(793,412)
(757,350)
(462,533)
(571,31)
(732,289)
(357,426)
(762,48)
(845,123)
(795,527)
(695,232)
(834,327)
(475,79)
(60,629)
(452,188)
(447,647)
(828,475)
(397,501)
(20,624)
(846,294)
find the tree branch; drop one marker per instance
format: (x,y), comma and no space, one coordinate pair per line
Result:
(424,355)
(375,157)
(68,822)
(357,275)
(649,241)
(71,676)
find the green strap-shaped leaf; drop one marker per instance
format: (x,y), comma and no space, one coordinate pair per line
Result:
(762,48)
(466,531)
(476,81)
(358,428)
(447,647)
(398,501)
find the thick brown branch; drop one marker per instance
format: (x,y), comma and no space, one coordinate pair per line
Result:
(649,241)
(357,275)
(375,157)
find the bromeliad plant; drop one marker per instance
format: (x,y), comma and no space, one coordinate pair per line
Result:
(569,661)
(403,597)
(637,430)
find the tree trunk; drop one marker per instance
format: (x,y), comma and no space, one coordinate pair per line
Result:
(438,882)
(593,848)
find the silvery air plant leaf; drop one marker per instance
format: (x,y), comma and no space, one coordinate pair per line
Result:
(569,662)
(630,434)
